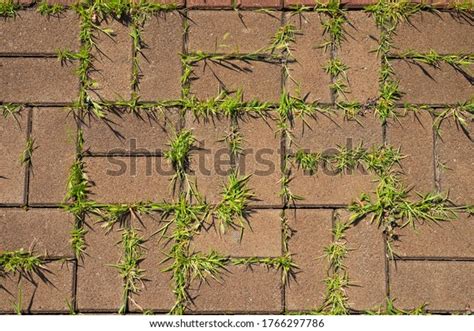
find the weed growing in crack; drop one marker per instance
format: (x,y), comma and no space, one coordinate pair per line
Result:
(21,262)
(390,309)
(27,154)
(128,267)
(333,26)
(10,109)
(462,114)
(283,263)
(178,153)
(231,211)
(9,8)
(337,250)
(283,38)
(458,61)
(46,9)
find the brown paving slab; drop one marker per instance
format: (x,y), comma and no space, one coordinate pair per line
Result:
(421,83)
(261,158)
(257,79)
(31,32)
(255,289)
(118,179)
(261,236)
(43,231)
(157,291)
(308,77)
(230,31)
(53,156)
(126,132)
(112,62)
(210,161)
(12,144)
(446,33)
(324,135)
(453,239)
(365,264)
(160,62)
(455,153)
(260,3)
(37,80)
(208,3)
(99,286)
(311,233)
(46,292)
(442,285)
(356,52)
(413,133)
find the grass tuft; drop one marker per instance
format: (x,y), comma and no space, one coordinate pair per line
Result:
(178,153)
(20,262)
(9,8)
(46,9)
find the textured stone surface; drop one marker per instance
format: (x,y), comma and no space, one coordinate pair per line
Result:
(208,3)
(261,158)
(413,134)
(325,134)
(260,3)
(53,155)
(258,80)
(160,62)
(12,143)
(456,157)
(37,80)
(311,233)
(30,32)
(124,132)
(261,226)
(230,31)
(308,77)
(112,62)
(43,231)
(421,83)
(255,289)
(49,291)
(357,53)
(99,286)
(457,237)
(129,179)
(443,32)
(441,285)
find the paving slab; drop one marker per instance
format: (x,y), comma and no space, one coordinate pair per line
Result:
(455,154)
(261,236)
(413,134)
(457,238)
(261,158)
(255,289)
(208,3)
(443,32)
(47,292)
(425,84)
(99,286)
(12,143)
(43,231)
(260,3)
(231,31)
(311,233)
(324,134)
(160,62)
(156,293)
(53,155)
(307,75)
(365,263)
(357,52)
(37,80)
(117,179)
(123,132)
(112,62)
(31,32)
(210,161)
(257,79)
(442,285)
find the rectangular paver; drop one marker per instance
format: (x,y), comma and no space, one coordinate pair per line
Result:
(37,80)
(31,32)
(255,289)
(53,155)
(12,143)
(231,31)
(48,292)
(132,179)
(261,227)
(43,231)
(160,62)
(311,233)
(442,285)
